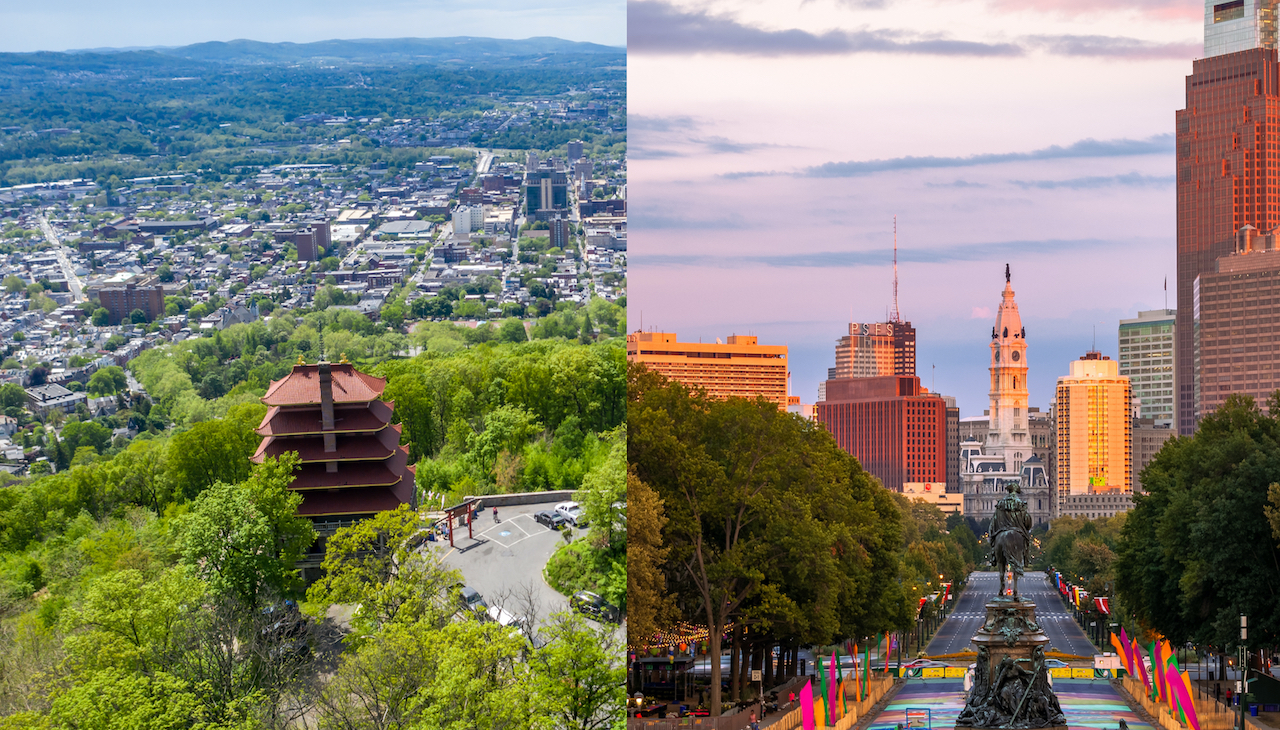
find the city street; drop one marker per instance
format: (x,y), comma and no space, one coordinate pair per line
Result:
(970,611)
(67,270)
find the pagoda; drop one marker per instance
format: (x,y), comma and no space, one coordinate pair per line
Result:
(351,462)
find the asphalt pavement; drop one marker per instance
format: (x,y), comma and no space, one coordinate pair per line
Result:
(505,559)
(966,618)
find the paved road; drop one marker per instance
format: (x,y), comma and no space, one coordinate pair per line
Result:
(970,611)
(967,616)
(61,252)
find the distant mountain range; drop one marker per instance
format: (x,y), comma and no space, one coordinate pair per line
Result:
(381,51)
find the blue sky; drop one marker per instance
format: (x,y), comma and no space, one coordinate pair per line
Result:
(77,24)
(772,143)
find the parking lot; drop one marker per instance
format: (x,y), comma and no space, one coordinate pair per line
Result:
(504,560)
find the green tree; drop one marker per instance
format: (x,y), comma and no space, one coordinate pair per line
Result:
(1197,551)
(127,620)
(138,316)
(14,284)
(214,451)
(578,677)
(374,564)
(244,539)
(512,330)
(115,699)
(107,381)
(101,317)
(751,493)
(164,273)
(12,396)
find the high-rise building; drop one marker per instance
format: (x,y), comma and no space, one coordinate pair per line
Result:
(1095,429)
(896,429)
(574,149)
(559,232)
(1146,359)
(1237,335)
(1226,159)
(742,368)
(545,190)
(1007,453)
(120,300)
(953,446)
(873,349)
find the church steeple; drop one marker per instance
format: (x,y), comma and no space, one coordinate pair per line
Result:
(1007,433)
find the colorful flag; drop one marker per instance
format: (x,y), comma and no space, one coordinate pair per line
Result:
(1138,665)
(820,704)
(1120,652)
(808,718)
(1128,653)
(833,690)
(866,673)
(1181,684)
(1171,682)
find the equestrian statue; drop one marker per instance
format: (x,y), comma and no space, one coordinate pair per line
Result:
(1010,535)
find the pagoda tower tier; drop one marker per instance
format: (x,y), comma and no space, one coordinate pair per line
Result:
(352,463)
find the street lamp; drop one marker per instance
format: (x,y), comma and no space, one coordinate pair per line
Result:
(1243,684)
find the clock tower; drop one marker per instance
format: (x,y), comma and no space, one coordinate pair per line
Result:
(1007,434)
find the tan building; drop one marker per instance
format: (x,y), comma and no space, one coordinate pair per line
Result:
(1237,324)
(936,494)
(1094,430)
(741,368)
(1148,438)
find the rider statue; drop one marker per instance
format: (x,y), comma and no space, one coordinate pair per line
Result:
(1010,533)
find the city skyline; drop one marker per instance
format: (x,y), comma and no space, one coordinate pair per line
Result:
(80,25)
(1056,156)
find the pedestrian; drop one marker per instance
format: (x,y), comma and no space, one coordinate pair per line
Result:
(1228,696)
(791,699)
(753,724)
(495,513)
(1123,725)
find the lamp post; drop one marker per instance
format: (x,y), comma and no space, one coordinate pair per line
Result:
(1242,687)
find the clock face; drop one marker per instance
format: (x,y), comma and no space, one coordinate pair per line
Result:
(997,356)
(1017,356)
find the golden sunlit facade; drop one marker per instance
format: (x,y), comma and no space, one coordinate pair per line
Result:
(740,368)
(1095,430)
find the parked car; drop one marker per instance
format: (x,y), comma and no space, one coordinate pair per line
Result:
(592,605)
(503,617)
(554,520)
(572,513)
(472,599)
(1055,664)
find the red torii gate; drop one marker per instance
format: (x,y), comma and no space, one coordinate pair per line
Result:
(465,511)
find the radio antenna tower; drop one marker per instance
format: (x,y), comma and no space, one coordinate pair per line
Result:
(894,317)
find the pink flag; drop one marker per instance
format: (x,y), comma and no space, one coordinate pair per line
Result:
(808,722)
(833,693)
(1180,698)
(1128,653)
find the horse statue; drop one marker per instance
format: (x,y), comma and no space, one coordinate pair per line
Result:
(1010,533)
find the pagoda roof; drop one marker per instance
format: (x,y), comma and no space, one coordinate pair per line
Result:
(293,422)
(353,501)
(302,386)
(354,474)
(381,445)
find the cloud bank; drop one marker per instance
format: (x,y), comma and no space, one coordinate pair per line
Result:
(656,27)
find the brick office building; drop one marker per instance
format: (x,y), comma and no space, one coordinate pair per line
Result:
(1227,161)
(120,300)
(896,429)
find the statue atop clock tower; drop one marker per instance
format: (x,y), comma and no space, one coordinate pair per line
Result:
(1007,434)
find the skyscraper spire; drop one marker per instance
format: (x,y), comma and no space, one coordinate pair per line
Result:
(894,317)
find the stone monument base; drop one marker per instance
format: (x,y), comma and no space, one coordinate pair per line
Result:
(1010,680)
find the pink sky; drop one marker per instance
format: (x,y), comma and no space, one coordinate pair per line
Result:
(772,143)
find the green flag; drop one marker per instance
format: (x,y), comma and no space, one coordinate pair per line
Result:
(822,690)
